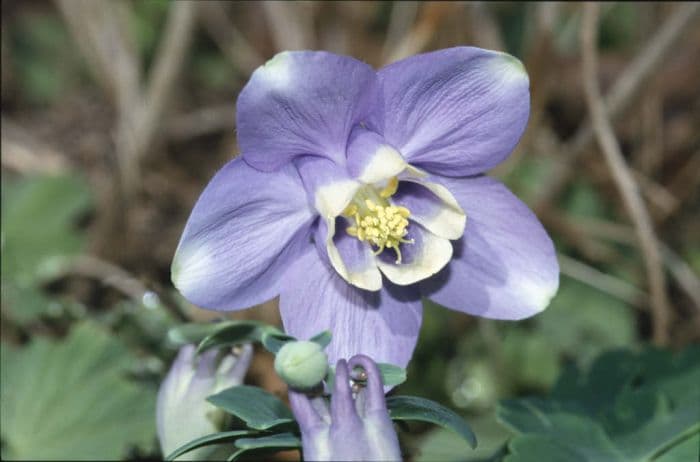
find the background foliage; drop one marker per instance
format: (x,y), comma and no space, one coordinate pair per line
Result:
(90,221)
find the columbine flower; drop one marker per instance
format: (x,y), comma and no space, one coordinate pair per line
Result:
(357,425)
(350,200)
(182,412)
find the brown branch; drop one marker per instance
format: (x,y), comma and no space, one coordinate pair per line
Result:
(403,15)
(291,24)
(117,278)
(622,175)
(25,154)
(420,35)
(139,128)
(201,122)
(228,38)
(604,282)
(100,30)
(623,92)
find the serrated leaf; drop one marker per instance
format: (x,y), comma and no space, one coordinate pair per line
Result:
(425,410)
(627,407)
(323,339)
(38,222)
(208,440)
(38,225)
(256,407)
(278,442)
(71,399)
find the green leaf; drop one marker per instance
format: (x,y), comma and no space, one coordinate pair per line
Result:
(256,407)
(278,442)
(71,399)
(425,410)
(626,407)
(684,451)
(392,375)
(190,333)
(38,225)
(323,339)
(208,440)
(446,446)
(38,219)
(232,333)
(273,341)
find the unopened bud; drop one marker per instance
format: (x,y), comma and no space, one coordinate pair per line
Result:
(303,364)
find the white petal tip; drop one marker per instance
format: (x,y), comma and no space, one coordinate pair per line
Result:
(276,71)
(509,68)
(187,263)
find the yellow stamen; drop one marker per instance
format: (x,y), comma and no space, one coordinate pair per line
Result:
(390,189)
(381,224)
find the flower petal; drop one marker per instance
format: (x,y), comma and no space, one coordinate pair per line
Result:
(303,102)
(383,325)
(505,266)
(351,258)
(244,230)
(329,187)
(426,256)
(371,159)
(433,206)
(456,112)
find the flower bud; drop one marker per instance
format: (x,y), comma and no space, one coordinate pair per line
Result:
(303,364)
(182,412)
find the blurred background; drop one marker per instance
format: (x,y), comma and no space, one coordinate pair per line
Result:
(115,114)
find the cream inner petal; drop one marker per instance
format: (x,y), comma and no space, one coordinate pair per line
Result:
(383,165)
(433,206)
(428,255)
(332,198)
(363,271)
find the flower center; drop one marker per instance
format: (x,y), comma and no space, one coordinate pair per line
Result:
(377,222)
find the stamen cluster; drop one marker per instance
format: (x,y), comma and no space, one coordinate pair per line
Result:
(382,226)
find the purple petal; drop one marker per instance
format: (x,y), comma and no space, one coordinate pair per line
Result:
(182,396)
(244,231)
(350,257)
(504,266)
(456,112)
(383,325)
(303,102)
(370,159)
(328,185)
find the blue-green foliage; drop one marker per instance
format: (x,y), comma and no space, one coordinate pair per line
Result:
(38,231)
(627,407)
(71,399)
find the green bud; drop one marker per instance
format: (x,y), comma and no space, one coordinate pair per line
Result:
(302,364)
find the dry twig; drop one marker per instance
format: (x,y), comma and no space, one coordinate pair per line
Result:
(604,282)
(228,38)
(422,32)
(623,92)
(622,175)
(291,24)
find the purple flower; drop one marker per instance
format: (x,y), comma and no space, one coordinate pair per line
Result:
(351,197)
(357,425)
(182,412)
